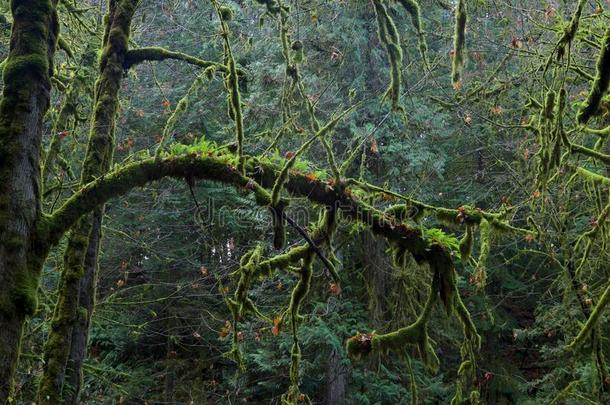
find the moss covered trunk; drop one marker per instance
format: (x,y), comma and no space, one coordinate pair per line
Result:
(80,257)
(80,331)
(25,101)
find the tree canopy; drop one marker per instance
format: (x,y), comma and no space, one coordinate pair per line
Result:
(301,201)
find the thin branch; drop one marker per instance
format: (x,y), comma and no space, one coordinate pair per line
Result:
(313,246)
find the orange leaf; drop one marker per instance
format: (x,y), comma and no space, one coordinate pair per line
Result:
(516,42)
(496,109)
(276,327)
(374,147)
(334,288)
(311,177)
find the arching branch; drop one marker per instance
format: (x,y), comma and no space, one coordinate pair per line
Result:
(222,169)
(154,53)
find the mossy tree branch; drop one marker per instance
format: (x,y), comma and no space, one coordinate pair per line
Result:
(592,320)
(222,169)
(155,53)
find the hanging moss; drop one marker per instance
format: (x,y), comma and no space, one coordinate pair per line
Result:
(468,326)
(296,300)
(447,276)
(412,7)
(600,84)
(282,178)
(466,245)
(480,274)
(459,41)
(389,37)
(233,93)
(569,32)
(363,344)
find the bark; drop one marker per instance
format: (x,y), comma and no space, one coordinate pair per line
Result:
(336,377)
(80,256)
(25,100)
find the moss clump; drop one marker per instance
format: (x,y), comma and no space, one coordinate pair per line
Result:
(226,13)
(466,245)
(25,293)
(359,345)
(600,84)
(298,52)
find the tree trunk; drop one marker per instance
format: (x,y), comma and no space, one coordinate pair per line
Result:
(336,377)
(376,273)
(80,332)
(81,253)
(25,100)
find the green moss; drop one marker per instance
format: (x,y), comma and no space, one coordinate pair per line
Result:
(459,41)
(587,328)
(155,53)
(466,245)
(298,52)
(20,68)
(600,84)
(359,345)
(25,293)
(226,13)
(485,235)
(569,33)
(389,37)
(412,7)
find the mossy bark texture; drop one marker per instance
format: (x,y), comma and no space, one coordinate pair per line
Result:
(81,254)
(25,100)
